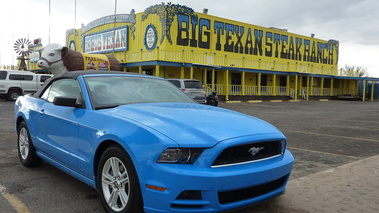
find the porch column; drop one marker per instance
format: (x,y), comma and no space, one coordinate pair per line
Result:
(331,86)
(205,77)
(274,85)
(140,69)
(226,85)
(307,95)
(322,86)
(157,73)
(259,83)
(191,73)
(182,72)
(296,87)
(364,91)
(311,86)
(243,83)
(372,90)
(213,80)
(288,85)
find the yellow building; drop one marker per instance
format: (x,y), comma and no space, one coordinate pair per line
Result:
(238,60)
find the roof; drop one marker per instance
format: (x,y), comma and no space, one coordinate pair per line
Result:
(18,71)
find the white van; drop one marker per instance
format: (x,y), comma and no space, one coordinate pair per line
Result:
(191,87)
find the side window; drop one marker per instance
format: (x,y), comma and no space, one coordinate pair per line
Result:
(3,75)
(193,84)
(44,78)
(21,77)
(175,82)
(27,77)
(14,77)
(64,87)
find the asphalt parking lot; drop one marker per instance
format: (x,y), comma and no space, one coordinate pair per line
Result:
(335,145)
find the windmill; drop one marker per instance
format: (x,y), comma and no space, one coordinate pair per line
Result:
(22,48)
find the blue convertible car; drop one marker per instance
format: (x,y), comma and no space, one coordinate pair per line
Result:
(144,145)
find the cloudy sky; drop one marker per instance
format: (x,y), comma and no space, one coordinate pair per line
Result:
(354,23)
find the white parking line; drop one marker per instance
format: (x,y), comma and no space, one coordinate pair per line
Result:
(17,204)
(336,136)
(328,153)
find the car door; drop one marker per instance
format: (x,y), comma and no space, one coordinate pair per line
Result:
(58,125)
(28,83)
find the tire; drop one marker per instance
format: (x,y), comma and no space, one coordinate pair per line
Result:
(13,95)
(119,192)
(26,150)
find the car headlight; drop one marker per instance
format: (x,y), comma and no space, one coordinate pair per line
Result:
(180,155)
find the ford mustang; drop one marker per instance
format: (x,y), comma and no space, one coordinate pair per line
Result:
(146,146)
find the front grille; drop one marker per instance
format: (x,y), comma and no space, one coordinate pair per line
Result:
(251,192)
(248,152)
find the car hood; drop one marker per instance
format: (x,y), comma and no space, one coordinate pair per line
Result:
(194,125)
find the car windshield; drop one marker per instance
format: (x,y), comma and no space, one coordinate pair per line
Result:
(112,91)
(193,85)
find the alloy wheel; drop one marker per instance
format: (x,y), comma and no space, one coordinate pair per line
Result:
(115,184)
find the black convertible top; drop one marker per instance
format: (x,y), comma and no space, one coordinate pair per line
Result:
(75,74)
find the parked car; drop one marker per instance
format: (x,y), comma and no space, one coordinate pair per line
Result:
(192,87)
(14,83)
(145,146)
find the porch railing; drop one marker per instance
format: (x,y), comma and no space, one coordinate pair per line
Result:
(218,88)
(251,90)
(318,91)
(279,91)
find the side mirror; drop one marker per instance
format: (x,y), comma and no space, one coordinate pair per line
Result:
(66,101)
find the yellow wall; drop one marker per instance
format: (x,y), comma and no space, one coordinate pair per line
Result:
(191,37)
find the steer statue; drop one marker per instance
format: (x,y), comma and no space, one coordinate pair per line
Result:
(58,59)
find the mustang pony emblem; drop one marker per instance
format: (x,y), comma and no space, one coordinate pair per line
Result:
(254,150)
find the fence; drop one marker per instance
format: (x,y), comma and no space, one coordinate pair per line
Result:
(276,91)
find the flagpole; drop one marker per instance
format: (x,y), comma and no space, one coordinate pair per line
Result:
(75,16)
(49,20)
(114,25)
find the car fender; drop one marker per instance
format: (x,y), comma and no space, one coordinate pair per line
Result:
(138,141)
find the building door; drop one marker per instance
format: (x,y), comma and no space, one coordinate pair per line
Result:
(283,81)
(263,83)
(209,77)
(236,83)
(282,85)
(264,80)
(236,79)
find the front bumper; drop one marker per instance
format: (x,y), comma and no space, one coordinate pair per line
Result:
(199,188)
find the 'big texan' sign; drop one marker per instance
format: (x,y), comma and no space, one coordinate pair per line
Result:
(235,38)
(218,35)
